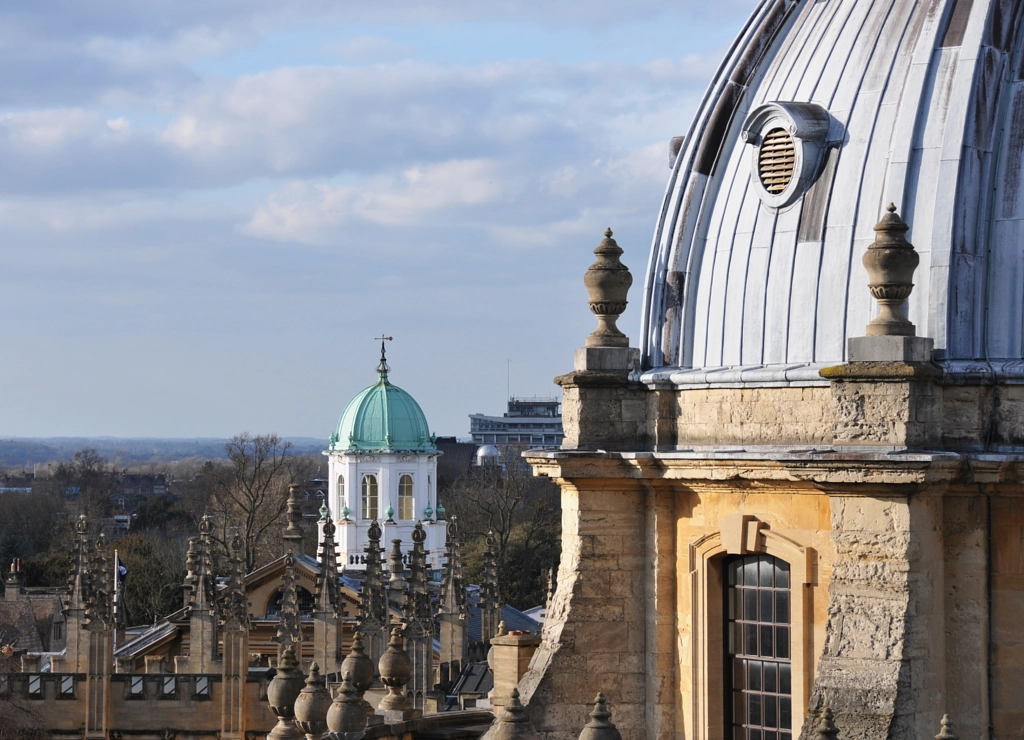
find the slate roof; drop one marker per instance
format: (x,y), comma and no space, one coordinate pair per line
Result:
(27,622)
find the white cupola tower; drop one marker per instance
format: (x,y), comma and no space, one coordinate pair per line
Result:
(382,463)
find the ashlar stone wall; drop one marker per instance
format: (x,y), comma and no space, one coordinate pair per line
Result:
(610,625)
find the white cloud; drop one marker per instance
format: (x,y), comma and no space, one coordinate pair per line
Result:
(316,214)
(368,48)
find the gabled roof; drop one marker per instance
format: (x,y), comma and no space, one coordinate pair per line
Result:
(170,626)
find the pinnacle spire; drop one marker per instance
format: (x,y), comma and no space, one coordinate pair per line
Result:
(453,585)
(289,630)
(490,594)
(233,605)
(328,591)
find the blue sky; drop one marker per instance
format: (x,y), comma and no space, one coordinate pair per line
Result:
(209,210)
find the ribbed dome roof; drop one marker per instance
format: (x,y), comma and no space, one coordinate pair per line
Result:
(821,114)
(381,418)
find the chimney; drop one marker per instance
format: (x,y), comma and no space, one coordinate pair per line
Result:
(14,581)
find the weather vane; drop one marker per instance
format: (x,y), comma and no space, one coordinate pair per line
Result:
(383,360)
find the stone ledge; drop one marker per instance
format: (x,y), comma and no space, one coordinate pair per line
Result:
(882,371)
(443,722)
(599,379)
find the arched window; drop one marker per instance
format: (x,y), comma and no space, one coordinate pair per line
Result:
(370,497)
(757,661)
(406,510)
(341,496)
(306,602)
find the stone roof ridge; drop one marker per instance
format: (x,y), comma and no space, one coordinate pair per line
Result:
(79,581)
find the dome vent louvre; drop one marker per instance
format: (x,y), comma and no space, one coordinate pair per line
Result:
(776,160)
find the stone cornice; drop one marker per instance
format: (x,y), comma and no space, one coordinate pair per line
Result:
(814,469)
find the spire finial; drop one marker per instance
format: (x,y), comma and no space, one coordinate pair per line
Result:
(827,729)
(600,727)
(946,732)
(382,368)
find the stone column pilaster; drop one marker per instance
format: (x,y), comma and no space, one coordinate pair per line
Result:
(599,633)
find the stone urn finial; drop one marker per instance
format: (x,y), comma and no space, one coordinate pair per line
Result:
(359,668)
(348,712)
(607,282)
(395,669)
(890,261)
(282,692)
(312,705)
(513,722)
(599,727)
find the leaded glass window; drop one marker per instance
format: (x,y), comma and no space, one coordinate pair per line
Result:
(370,497)
(758,669)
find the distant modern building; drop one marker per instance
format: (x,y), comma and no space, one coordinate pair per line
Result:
(536,422)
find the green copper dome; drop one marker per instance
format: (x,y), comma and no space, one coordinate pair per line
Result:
(383,417)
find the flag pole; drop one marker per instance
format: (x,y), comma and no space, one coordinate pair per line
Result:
(116,574)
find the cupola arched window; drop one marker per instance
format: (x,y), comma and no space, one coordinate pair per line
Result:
(340,494)
(370,499)
(406,510)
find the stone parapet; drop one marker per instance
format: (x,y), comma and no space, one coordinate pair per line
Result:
(604,408)
(895,404)
(892,403)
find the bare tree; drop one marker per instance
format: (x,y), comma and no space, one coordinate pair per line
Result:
(88,480)
(249,491)
(156,569)
(503,496)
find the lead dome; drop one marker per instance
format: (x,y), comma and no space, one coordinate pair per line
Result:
(820,115)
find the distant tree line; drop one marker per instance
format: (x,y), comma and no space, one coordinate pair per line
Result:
(247,490)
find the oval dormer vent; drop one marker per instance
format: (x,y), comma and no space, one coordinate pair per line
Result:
(788,142)
(776,158)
